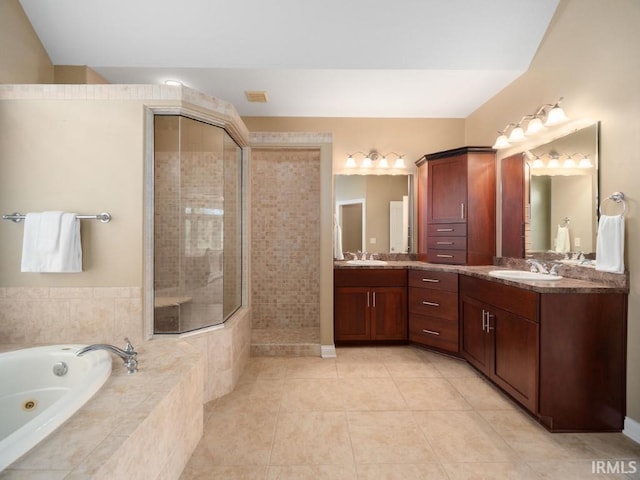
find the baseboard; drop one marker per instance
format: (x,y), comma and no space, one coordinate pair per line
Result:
(632,429)
(328,351)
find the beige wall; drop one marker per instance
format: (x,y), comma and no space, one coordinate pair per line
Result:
(412,137)
(83,157)
(81,74)
(23,59)
(589,56)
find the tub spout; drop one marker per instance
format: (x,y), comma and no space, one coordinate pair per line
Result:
(128,355)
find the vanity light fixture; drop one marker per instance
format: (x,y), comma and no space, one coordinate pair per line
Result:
(373,157)
(555,158)
(552,114)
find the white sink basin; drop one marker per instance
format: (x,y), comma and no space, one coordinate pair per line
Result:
(523,275)
(366,262)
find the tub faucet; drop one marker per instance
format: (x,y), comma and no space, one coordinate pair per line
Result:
(128,355)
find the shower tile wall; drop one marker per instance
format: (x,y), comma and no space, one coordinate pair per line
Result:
(285,238)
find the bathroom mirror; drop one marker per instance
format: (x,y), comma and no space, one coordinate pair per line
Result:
(374,212)
(560,191)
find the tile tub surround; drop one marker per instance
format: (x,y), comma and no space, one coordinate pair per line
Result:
(53,315)
(385,412)
(144,425)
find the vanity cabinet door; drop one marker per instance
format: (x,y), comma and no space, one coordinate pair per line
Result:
(475,343)
(389,313)
(447,191)
(501,335)
(351,313)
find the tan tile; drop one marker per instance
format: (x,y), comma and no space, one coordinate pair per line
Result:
(481,394)
(361,369)
(483,471)
(387,437)
(312,472)
(463,436)
(614,445)
(242,438)
(528,438)
(401,471)
(431,394)
(365,394)
(454,368)
(257,396)
(312,394)
(311,367)
(411,368)
(356,353)
(225,472)
(315,438)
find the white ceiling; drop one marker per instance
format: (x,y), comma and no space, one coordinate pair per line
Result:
(330,58)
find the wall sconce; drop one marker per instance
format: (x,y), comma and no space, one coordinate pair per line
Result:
(372,157)
(555,158)
(552,114)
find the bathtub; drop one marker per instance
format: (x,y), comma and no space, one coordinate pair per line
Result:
(42,387)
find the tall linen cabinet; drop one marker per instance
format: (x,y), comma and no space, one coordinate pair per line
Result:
(457,206)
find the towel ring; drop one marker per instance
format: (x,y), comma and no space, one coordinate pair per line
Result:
(617,197)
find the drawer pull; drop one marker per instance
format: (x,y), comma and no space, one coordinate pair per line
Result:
(432,280)
(431,304)
(442,255)
(430,332)
(444,243)
(444,229)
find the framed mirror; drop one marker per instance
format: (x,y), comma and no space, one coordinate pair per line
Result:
(550,197)
(374,212)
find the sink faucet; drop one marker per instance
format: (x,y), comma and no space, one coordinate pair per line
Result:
(554,269)
(537,266)
(128,355)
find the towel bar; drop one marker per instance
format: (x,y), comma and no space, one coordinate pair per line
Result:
(104,217)
(617,197)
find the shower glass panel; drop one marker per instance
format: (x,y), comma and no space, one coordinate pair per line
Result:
(197,224)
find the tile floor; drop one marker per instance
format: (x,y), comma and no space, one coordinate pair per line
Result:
(387,413)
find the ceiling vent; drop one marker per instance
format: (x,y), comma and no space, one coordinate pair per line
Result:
(256,96)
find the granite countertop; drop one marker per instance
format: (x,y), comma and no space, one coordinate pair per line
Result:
(574,279)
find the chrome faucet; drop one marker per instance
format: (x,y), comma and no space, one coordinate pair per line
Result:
(128,355)
(537,266)
(554,269)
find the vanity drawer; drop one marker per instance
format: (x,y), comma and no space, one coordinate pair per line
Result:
(434,332)
(447,230)
(451,257)
(450,243)
(437,303)
(433,280)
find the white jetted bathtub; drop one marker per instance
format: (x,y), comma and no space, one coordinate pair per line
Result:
(42,387)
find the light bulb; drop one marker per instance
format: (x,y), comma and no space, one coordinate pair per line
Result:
(399,163)
(555,116)
(585,162)
(501,142)
(383,163)
(554,162)
(537,163)
(534,126)
(516,135)
(366,163)
(569,163)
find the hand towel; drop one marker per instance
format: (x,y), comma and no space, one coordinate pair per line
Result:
(66,254)
(563,243)
(49,231)
(337,240)
(610,244)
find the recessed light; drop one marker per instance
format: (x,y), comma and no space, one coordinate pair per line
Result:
(173,83)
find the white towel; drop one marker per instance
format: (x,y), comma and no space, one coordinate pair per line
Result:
(610,244)
(337,240)
(47,247)
(563,243)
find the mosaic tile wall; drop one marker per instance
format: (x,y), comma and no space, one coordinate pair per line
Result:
(285,237)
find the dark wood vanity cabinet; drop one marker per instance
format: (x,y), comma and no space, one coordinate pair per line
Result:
(433,309)
(456,206)
(561,355)
(500,336)
(370,305)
